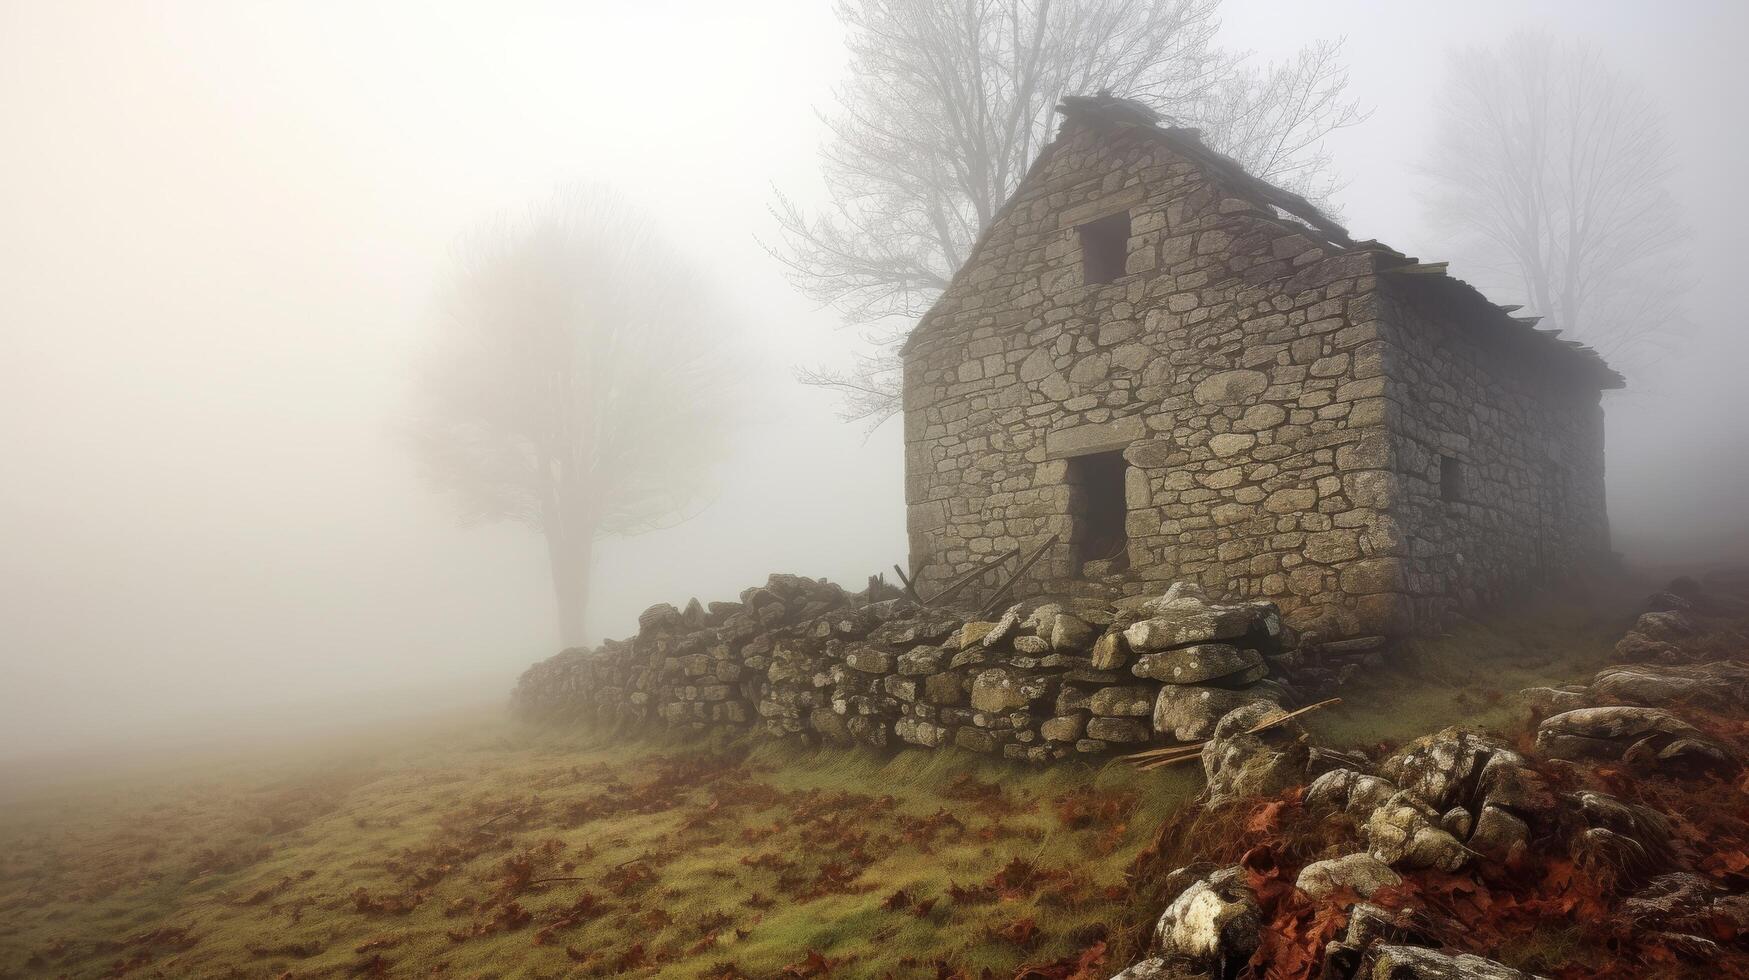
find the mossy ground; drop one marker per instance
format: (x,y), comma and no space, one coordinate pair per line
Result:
(420,853)
(420,857)
(1472,674)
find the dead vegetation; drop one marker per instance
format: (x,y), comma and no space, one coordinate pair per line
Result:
(579,858)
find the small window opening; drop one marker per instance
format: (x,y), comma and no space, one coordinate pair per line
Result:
(1451,479)
(1097,510)
(1105,248)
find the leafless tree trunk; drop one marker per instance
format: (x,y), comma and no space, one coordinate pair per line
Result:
(947,105)
(570,562)
(1549,170)
(574,384)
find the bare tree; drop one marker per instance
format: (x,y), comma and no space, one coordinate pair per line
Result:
(948,103)
(1550,168)
(571,385)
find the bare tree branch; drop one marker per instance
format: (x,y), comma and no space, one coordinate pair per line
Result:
(1550,169)
(948,103)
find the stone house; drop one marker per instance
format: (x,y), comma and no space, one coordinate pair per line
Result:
(1185,373)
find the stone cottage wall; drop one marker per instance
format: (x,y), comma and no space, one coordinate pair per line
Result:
(1237,364)
(1528,436)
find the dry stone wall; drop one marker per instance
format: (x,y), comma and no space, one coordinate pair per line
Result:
(1237,365)
(800,658)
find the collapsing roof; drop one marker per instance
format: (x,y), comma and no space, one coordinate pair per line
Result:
(1111,113)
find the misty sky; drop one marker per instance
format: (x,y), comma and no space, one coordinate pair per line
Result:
(224,224)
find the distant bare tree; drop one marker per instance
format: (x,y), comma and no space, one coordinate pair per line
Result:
(948,103)
(571,385)
(1551,167)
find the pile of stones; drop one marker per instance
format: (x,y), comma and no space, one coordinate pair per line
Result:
(1043,680)
(1451,801)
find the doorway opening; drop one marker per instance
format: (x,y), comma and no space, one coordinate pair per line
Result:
(1097,510)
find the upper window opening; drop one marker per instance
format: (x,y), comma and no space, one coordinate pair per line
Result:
(1105,248)
(1451,478)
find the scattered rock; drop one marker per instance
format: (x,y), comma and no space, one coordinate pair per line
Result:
(1498,832)
(1554,700)
(1361,874)
(1683,904)
(1387,962)
(1346,789)
(1642,735)
(1402,832)
(1239,764)
(1637,647)
(1439,767)
(1671,626)
(1214,923)
(1707,685)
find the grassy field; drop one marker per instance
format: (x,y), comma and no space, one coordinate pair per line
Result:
(485,850)
(1471,676)
(477,848)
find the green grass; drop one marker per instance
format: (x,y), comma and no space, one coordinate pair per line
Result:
(1472,674)
(254,867)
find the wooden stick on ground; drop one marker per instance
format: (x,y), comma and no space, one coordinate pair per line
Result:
(1168,755)
(1002,590)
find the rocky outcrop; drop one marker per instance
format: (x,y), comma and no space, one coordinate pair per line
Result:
(1642,846)
(1211,929)
(1643,736)
(1360,873)
(1043,680)
(1440,801)
(1243,759)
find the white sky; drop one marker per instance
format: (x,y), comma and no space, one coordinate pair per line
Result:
(223,223)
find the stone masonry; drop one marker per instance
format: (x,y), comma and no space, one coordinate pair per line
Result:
(1185,373)
(803,659)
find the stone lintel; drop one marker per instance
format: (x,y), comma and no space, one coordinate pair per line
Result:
(1095,437)
(1122,200)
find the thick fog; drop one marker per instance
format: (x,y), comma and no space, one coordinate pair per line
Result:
(225,225)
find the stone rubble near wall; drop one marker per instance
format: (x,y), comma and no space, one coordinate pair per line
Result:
(1041,681)
(1451,800)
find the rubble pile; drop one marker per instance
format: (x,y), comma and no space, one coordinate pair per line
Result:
(1042,680)
(1621,811)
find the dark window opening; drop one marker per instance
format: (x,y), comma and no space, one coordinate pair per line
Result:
(1451,479)
(1105,248)
(1097,510)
